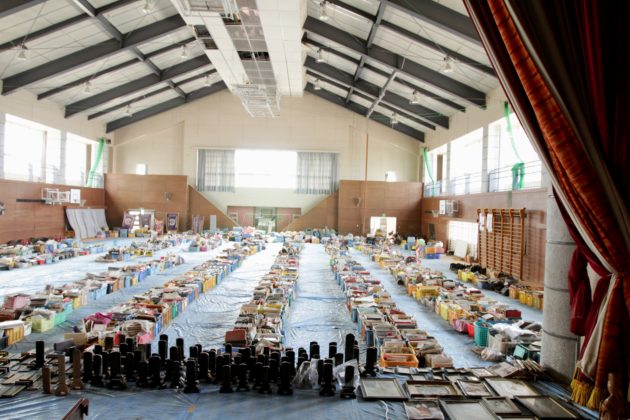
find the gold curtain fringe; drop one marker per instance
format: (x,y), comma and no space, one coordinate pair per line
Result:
(581,391)
(597,397)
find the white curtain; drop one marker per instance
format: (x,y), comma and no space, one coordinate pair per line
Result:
(215,170)
(86,223)
(317,173)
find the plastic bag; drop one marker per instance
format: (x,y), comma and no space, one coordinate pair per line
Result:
(339,372)
(302,377)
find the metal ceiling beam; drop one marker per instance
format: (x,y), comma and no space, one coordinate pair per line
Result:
(148,95)
(439,15)
(370,40)
(459,57)
(112,69)
(376,70)
(361,110)
(92,53)
(396,62)
(338,85)
(136,85)
(64,24)
(165,106)
(8,7)
(382,94)
(376,91)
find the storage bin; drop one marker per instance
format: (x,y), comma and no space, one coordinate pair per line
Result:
(398,359)
(481,333)
(41,324)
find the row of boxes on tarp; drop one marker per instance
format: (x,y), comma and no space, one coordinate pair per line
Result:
(260,321)
(136,249)
(147,314)
(23,255)
(42,311)
(396,335)
(468,310)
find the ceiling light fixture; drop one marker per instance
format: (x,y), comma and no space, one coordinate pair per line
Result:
(415,98)
(184,53)
(448,65)
(320,56)
(87,87)
(21,55)
(394,119)
(128,111)
(206,80)
(322,11)
(148,7)
(316,85)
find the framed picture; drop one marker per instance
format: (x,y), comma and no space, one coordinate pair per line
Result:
(423,410)
(481,372)
(547,408)
(426,389)
(382,389)
(511,387)
(466,410)
(474,389)
(405,370)
(501,405)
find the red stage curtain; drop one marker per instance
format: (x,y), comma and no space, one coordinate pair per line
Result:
(562,65)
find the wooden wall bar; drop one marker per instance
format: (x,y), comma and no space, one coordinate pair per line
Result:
(535,203)
(28,220)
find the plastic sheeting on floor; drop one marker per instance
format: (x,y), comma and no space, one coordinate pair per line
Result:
(456,345)
(102,305)
(319,311)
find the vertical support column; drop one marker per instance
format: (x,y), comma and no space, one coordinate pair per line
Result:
(484,160)
(63,141)
(447,178)
(3,120)
(559,345)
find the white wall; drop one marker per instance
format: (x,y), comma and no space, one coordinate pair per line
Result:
(306,123)
(464,122)
(25,105)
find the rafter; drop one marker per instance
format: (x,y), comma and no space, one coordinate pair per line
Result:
(376,70)
(376,91)
(361,110)
(64,24)
(165,106)
(148,95)
(9,7)
(396,62)
(439,15)
(136,85)
(82,80)
(92,53)
(370,98)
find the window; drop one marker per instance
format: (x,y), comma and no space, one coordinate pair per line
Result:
(503,154)
(141,168)
(390,176)
(316,173)
(24,150)
(465,163)
(76,160)
(265,169)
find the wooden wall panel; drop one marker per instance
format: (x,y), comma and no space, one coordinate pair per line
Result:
(199,204)
(245,214)
(396,199)
(28,220)
(322,215)
(127,191)
(535,201)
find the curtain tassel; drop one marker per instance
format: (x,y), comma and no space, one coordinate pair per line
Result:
(597,396)
(581,392)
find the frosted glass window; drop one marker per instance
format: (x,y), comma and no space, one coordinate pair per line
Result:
(265,169)
(76,160)
(466,162)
